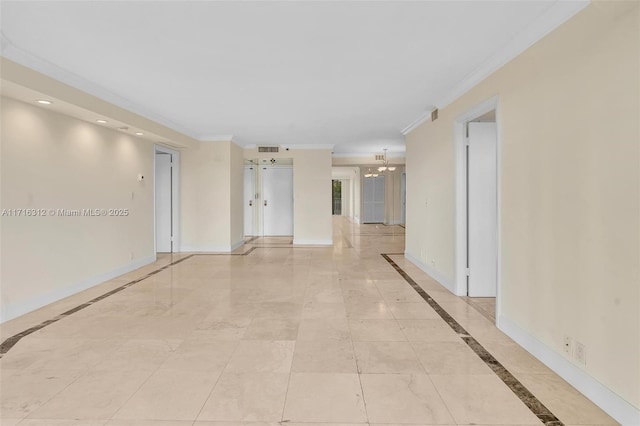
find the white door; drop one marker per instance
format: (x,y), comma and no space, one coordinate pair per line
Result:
(373,200)
(482,213)
(277,200)
(163,186)
(249,199)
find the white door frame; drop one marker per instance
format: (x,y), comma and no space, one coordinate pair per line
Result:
(459,137)
(175,196)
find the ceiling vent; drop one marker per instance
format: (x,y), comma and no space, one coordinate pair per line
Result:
(268,149)
(379,157)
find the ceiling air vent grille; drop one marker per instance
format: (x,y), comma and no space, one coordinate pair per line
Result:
(379,157)
(268,149)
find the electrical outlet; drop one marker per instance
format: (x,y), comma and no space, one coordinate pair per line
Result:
(566,346)
(131,256)
(581,353)
(433,262)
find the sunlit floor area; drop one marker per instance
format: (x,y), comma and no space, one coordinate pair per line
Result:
(277,333)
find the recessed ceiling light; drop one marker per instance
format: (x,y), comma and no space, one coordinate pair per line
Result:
(102,121)
(139,133)
(44,102)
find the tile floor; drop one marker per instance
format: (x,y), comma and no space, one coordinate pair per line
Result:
(281,334)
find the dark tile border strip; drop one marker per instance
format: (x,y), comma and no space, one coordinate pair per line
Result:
(533,403)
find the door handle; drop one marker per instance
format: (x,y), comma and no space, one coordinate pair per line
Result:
(250,203)
(265,203)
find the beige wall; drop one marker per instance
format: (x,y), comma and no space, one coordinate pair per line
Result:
(568,119)
(312,222)
(211,196)
(237,195)
(51,161)
(311,192)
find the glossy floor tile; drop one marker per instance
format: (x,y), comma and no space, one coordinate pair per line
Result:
(273,334)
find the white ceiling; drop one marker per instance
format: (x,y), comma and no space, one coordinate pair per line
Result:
(350,74)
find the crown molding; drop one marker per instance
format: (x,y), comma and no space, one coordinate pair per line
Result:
(20,56)
(415,123)
(554,16)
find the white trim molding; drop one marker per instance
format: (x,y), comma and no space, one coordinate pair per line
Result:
(175,196)
(612,403)
(460,242)
(29,60)
(443,280)
(12,311)
(552,18)
(415,123)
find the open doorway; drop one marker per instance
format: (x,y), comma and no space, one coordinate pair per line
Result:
(336,197)
(477,207)
(166,172)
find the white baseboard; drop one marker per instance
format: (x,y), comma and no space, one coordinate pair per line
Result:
(15,310)
(394,222)
(299,242)
(436,275)
(602,396)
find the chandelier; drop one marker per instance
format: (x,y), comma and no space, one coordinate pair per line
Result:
(385,167)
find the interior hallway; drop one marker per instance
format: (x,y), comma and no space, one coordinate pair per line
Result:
(274,333)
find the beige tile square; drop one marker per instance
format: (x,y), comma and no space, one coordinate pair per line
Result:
(224,328)
(428,331)
(57,422)
(376,331)
(324,329)
(404,295)
(264,356)
(449,358)
(272,329)
(412,310)
(387,357)
(170,395)
(482,399)
(329,398)
(368,310)
(145,354)
(97,395)
(23,391)
(125,422)
(402,398)
(195,355)
(325,356)
(320,310)
(247,397)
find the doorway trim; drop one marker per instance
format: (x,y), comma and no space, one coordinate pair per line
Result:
(460,244)
(175,196)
